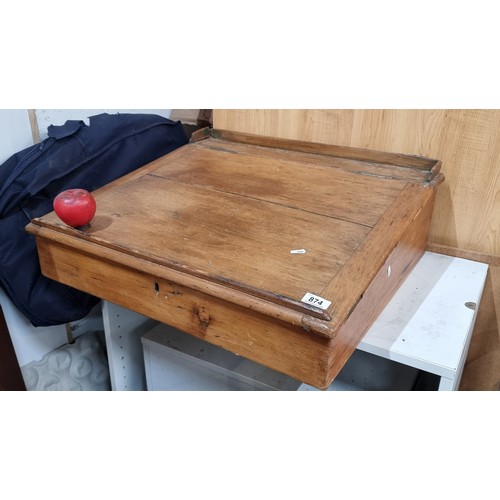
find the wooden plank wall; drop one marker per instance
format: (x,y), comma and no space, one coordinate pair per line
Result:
(467,210)
(466,218)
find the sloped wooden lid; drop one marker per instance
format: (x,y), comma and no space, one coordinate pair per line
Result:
(273,220)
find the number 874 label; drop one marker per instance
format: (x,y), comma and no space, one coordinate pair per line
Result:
(316,300)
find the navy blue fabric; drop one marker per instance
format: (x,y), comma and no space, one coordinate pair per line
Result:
(73,156)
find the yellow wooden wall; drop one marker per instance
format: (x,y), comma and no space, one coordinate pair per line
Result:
(466,215)
(467,209)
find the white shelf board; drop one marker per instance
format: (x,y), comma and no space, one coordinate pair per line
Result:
(427,323)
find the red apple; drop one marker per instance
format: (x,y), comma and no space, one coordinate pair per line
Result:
(75,207)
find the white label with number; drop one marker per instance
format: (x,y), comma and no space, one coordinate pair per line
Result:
(315,300)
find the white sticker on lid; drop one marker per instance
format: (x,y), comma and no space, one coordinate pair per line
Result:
(315,300)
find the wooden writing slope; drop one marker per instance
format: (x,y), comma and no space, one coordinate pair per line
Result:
(281,251)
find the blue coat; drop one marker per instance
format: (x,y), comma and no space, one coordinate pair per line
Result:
(73,156)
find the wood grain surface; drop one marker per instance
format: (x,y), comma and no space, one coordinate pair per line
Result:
(203,240)
(466,216)
(467,209)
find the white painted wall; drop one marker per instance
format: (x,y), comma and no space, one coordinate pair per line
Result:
(46,117)
(15,132)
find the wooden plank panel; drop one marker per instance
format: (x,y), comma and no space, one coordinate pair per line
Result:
(405,256)
(375,249)
(302,185)
(236,139)
(317,125)
(467,208)
(241,330)
(390,166)
(211,234)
